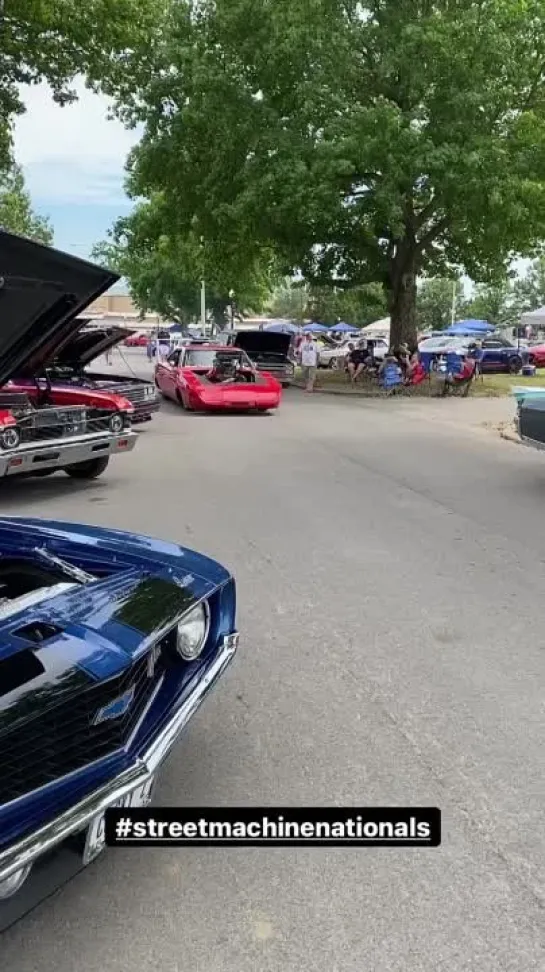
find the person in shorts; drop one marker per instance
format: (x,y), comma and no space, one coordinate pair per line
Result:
(309,361)
(357,361)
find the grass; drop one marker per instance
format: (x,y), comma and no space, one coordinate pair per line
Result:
(490,386)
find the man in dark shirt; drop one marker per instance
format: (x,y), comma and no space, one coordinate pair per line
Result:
(356,360)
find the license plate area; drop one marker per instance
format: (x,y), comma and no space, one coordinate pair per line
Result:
(95,838)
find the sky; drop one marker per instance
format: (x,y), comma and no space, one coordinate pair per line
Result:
(73,160)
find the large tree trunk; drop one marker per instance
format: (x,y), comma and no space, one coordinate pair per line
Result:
(401,290)
(401,297)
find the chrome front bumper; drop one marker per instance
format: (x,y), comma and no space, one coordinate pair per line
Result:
(77,818)
(58,453)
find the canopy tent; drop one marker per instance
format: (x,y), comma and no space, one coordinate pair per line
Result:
(534,319)
(470,327)
(377,329)
(315,329)
(342,328)
(282,327)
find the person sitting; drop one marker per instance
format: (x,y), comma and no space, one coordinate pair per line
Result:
(415,372)
(349,349)
(356,361)
(461,378)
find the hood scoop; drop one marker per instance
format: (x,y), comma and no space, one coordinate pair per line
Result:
(37,632)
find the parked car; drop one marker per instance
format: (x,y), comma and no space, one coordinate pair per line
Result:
(536,355)
(269,351)
(109,642)
(216,378)
(531,420)
(498,354)
(333,357)
(42,292)
(137,341)
(67,372)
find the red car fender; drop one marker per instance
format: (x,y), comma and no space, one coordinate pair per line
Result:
(272,382)
(6,418)
(187,385)
(78,396)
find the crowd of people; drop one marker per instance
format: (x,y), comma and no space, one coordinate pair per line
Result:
(402,367)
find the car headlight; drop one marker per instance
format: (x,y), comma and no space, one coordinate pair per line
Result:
(192,633)
(10,438)
(117,423)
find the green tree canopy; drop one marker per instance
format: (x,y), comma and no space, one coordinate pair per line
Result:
(16,213)
(529,290)
(368,142)
(493,303)
(164,269)
(437,298)
(54,40)
(357,305)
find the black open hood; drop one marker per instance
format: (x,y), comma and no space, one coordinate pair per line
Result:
(41,293)
(83,347)
(263,342)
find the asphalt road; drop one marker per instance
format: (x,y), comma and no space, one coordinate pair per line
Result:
(391,572)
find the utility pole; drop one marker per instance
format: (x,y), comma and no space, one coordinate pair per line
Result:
(203,291)
(453,313)
(203,307)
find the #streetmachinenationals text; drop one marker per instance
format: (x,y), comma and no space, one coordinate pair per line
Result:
(274,826)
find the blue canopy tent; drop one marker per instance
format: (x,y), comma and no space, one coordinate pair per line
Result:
(468,327)
(342,328)
(316,329)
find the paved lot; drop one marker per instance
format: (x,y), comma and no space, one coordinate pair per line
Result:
(391,570)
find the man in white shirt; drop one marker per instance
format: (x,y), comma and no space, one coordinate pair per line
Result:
(309,361)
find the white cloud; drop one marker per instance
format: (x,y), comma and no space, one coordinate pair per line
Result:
(72,154)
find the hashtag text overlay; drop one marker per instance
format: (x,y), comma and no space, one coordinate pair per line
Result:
(275,826)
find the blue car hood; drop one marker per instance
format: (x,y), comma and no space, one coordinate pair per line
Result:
(99,628)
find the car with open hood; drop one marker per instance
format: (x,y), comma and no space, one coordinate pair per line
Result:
(269,351)
(42,292)
(216,377)
(68,371)
(109,643)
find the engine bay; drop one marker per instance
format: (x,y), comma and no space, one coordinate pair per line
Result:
(23,584)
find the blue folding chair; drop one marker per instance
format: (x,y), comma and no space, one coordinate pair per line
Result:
(454,363)
(391,378)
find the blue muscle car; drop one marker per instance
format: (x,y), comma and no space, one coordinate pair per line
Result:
(109,642)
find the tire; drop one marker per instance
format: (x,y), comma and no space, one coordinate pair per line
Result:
(515,365)
(334,364)
(91,469)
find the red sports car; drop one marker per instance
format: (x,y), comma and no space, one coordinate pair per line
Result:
(137,341)
(536,354)
(215,377)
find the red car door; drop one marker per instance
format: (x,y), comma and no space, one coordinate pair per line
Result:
(166,372)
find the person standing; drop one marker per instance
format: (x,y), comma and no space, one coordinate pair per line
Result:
(309,361)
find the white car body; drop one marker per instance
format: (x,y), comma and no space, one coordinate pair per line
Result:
(444,345)
(333,357)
